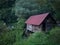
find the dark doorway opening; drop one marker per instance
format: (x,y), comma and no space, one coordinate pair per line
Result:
(44,26)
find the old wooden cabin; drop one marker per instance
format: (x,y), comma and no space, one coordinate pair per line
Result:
(42,22)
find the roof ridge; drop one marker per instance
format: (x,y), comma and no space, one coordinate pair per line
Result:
(40,14)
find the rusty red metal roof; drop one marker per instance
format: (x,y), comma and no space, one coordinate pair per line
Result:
(37,19)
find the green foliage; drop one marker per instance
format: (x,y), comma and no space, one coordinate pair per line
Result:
(6,3)
(54,37)
(40,38)
(27,8)
(23,9)
(43,39)
(10,37)
(7,38)
(55,4)
(3,27)
(37,38)
(8,16)
(6,13)
(19,27)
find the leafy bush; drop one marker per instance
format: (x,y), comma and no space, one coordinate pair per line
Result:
(19,27)
(40,38)
(54,37)
(37,38)
(7,38)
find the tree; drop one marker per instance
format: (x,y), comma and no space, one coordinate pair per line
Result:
(6,12)
(27,8)
(6,3)
(52,6)
(56,4)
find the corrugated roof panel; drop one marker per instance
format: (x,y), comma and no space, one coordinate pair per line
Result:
(36,19)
